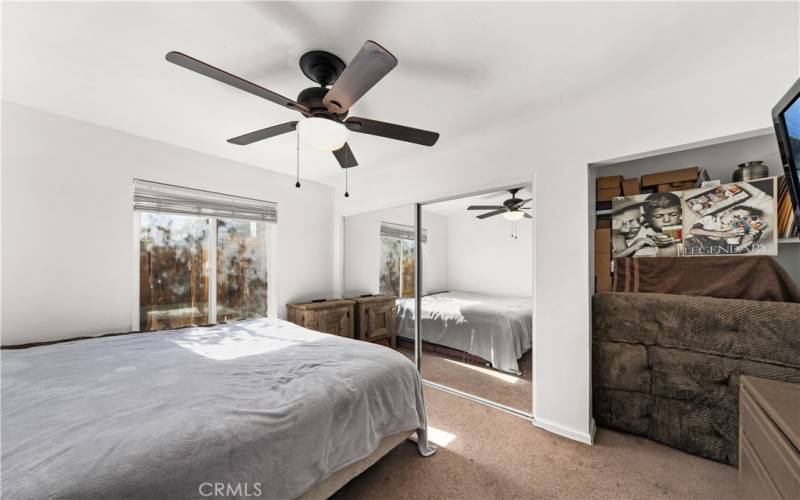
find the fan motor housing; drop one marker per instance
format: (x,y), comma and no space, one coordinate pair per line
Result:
(312,97)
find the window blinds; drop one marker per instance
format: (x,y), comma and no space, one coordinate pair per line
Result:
(157,197)
(401,231)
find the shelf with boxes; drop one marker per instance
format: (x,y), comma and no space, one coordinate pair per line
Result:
(676,171)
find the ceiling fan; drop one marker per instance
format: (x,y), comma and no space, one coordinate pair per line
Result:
(325,125)
(512,208)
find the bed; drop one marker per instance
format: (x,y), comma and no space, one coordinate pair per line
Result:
(496,329)
(263,404)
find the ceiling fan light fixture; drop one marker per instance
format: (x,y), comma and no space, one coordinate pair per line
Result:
(514,215)
(322,134)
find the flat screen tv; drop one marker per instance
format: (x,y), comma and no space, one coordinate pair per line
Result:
(786,117)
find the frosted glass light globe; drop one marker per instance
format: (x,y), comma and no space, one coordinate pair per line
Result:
(514,215)
(322,134)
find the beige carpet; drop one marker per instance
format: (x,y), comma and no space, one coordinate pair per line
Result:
(510,390)
(495,455)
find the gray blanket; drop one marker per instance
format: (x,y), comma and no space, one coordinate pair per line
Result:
(263,404)
(497,329)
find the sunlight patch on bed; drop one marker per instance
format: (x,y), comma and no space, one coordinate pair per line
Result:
(440,437)
(227,342)
(446,308)
(505,377)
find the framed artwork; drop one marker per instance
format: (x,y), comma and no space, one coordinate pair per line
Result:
(731,219)
(647,225)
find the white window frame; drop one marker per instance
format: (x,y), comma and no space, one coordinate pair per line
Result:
(211,268)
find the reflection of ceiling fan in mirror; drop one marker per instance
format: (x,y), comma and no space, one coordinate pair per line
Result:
(512,209)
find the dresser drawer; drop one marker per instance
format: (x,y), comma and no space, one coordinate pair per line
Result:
(770,447)
(753,477)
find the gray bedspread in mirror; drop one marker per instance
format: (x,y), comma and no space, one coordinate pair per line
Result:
(157,415)
(497,329)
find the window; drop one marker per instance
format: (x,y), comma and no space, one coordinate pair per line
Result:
(173,271)
(398,259)
(202,257)
(241,269)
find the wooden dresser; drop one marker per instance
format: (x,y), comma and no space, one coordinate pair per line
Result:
(334,316)
(376,319)
(769,439)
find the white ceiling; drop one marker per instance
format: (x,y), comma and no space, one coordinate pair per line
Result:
(461,65)
(458,206)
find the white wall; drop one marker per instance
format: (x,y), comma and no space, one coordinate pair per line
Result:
(362,249)
(554,144)
(67,224)
(483,258)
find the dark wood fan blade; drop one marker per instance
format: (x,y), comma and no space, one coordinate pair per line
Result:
(219,75)
(392,131)
(345,157)
(528,216)
(491,214)
(264,133)
(372,63)
(484,207)
(522,202)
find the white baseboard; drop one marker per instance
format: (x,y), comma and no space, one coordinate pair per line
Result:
(583,437)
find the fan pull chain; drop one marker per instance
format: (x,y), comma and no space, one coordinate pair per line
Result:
(297,184)
(346,169)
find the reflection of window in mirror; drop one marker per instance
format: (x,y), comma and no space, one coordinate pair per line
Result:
(398,259)
(397,266)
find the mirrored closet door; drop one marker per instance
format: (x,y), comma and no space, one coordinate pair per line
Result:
(476,303)
(474,257)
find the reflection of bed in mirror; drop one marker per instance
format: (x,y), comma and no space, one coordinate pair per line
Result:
(495,329)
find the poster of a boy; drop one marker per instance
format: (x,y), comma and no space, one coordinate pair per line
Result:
(646,225)
(663,214)
(626,224)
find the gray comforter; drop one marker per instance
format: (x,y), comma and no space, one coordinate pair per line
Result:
(497,329)
(263,404)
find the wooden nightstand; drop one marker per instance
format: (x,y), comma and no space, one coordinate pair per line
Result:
(334,316)
(376,319)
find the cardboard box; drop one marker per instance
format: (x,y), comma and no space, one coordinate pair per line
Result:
(602,205)
(604,284)
(604,223)
(630,187)
(602,240)
(602,264)
(608,194)
(675,186)
(611,181)
(682,175)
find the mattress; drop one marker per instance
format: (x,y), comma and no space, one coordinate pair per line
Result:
(497,329)
(261,405)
